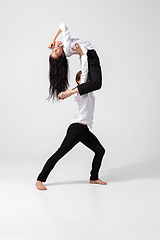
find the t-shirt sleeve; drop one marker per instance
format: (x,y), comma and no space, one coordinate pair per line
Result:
(66,39)
(84,68)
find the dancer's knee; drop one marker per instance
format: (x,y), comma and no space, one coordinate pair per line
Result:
(100,150)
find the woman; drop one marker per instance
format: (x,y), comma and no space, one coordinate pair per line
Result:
(78,131)
(58,73)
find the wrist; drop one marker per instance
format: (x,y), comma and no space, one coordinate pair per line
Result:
(54,39)
(81,54)
(75,90)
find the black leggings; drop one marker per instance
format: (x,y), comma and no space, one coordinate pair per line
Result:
(76,133)
(94,72)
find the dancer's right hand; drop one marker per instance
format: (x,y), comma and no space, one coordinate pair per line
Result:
(51,44)
(58,43)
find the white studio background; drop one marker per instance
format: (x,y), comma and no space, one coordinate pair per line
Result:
(126,36)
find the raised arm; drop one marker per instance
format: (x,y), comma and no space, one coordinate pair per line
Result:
(52,43)
(84,68)
(84,61)
(66,39)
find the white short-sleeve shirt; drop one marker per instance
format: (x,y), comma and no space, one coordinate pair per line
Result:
(68,44)
(85,111)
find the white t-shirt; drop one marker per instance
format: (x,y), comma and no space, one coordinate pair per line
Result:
(86,105)
(68,44)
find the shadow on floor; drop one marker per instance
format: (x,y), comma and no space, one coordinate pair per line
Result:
(67,183)
(149,170)
(141,170)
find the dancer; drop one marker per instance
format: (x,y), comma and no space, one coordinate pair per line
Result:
(58,72)
(78,131)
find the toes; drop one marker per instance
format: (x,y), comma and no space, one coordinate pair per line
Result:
(104,183)
(101,182)
(41,187)
(98,182)
(44,188)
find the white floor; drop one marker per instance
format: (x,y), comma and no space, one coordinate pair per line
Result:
(127,208)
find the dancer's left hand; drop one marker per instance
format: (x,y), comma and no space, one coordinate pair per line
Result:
(51,45)
(77,49)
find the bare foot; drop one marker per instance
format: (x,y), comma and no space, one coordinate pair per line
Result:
(40,186)
(65,94)
(98,181)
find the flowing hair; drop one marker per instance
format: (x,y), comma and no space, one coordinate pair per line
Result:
(58,76)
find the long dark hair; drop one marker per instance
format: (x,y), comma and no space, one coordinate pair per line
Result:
(58,76)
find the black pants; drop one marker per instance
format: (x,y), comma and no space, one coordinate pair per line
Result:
(76,133)
(94,72)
